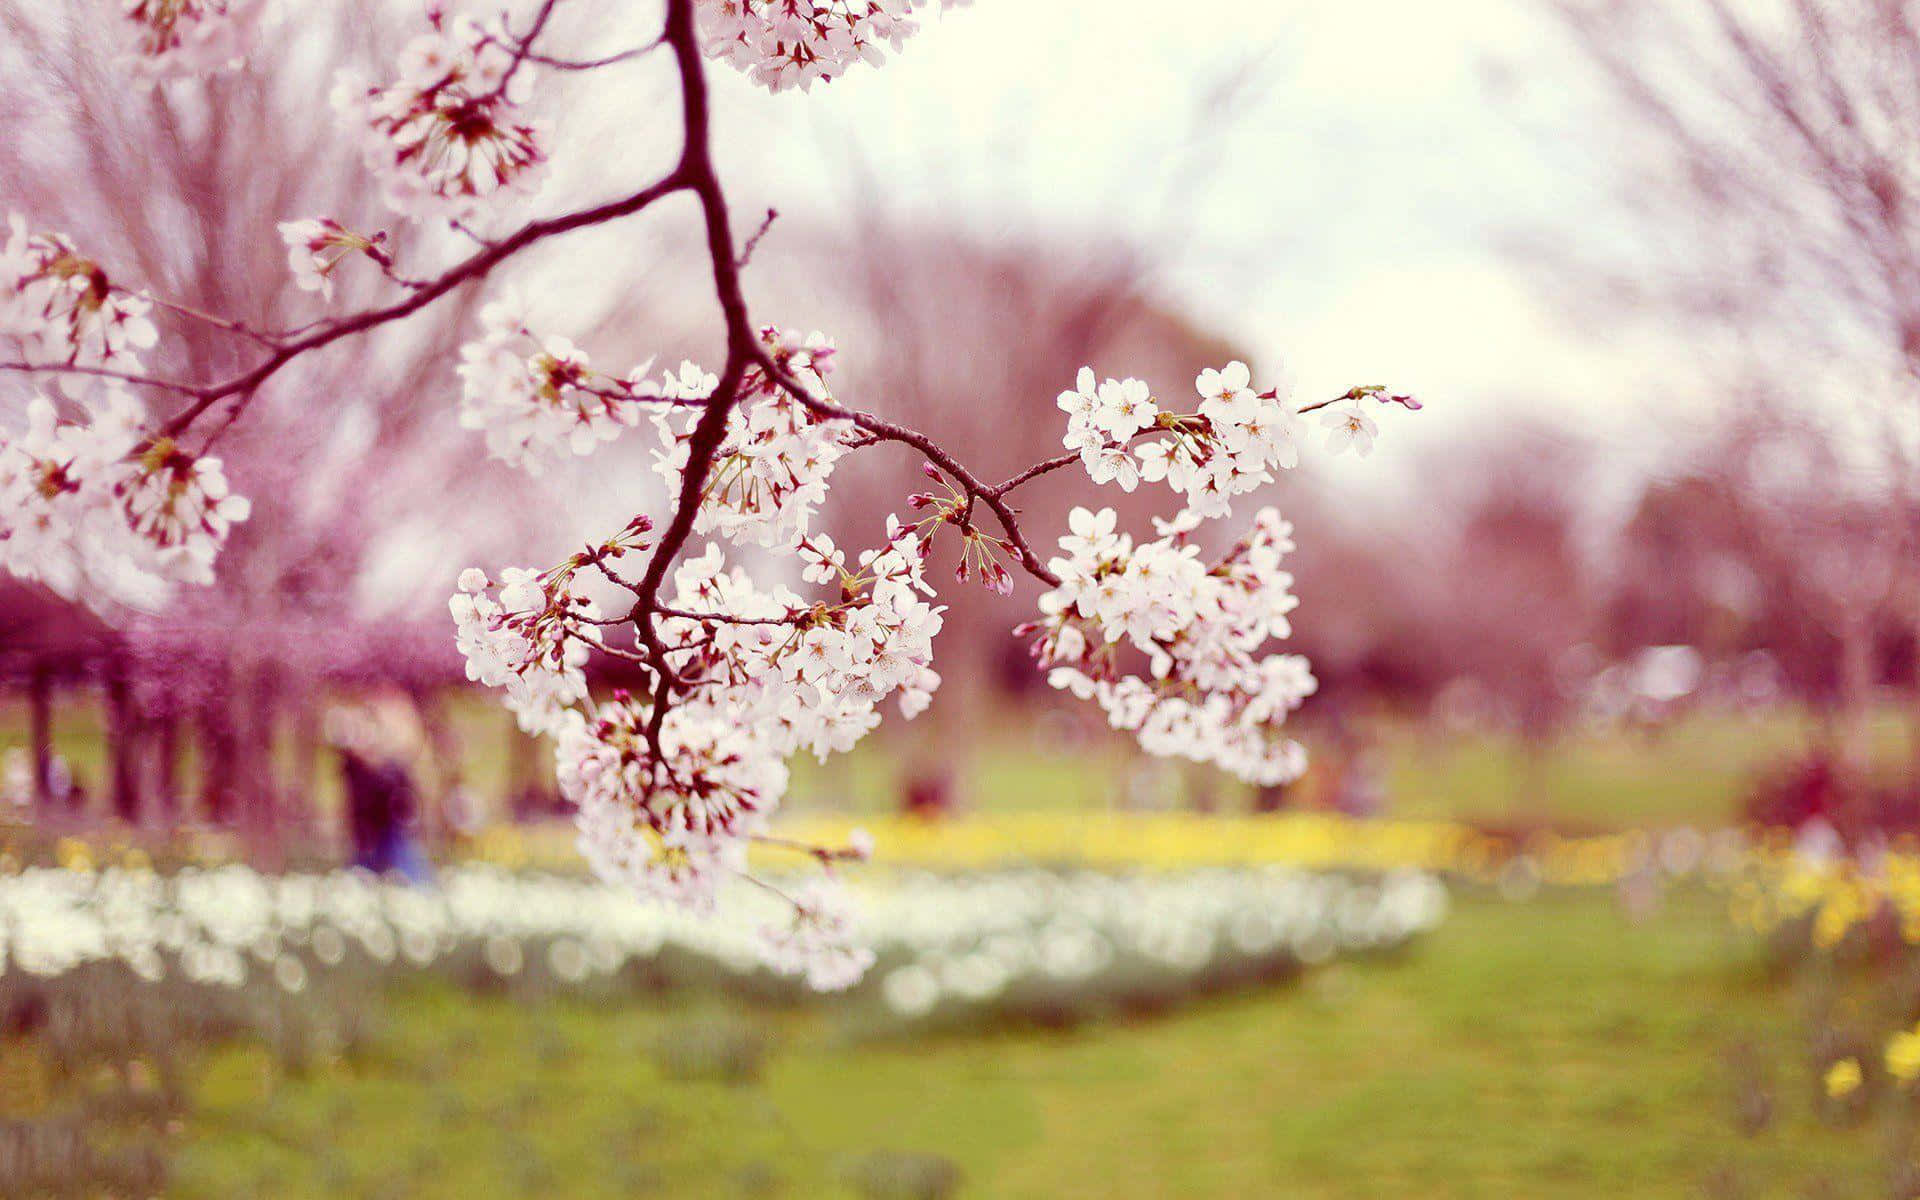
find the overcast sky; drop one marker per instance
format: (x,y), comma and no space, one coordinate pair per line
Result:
(1345,216)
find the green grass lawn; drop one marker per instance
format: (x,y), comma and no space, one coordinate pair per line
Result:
(1540,1049)
(1543,1049)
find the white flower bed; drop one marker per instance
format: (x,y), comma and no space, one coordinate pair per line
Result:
(944,944)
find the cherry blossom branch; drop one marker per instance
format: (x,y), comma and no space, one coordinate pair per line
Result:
(594,64)
(133,377)
(696,173)
(672,780)
(522,46)
(792,618)
(885,430)
(475,267)
(1059,461)
(766,223)
(859,851)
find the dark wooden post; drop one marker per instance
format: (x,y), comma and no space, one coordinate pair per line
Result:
(216,757)
(40,708)
(166,774)
(123,738)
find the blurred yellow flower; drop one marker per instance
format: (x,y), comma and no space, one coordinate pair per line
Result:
(1903,1056)
(73,854)
(1843,1078)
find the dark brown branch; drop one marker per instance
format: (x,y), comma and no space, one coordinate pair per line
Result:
(28,368)
(697,173)
(662,610)
(475,267)
(593,64)
(889,431)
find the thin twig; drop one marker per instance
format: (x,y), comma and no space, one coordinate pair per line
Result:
(746,255)
(593,64)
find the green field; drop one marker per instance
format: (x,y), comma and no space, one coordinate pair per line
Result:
(1694,771)
(1544,1049)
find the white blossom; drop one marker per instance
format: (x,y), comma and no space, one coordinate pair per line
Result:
(97,510)
(777,457)
(59,307)
(1208,691)
(538,398)
(445,138)
(793,43)
(820,941)
(186,38)
(1229,445)
(1348,427)
(519,642)
(317,246)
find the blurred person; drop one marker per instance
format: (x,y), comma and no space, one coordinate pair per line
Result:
(378,741)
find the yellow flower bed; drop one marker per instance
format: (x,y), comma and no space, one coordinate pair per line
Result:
(1835,896)
(1164,841)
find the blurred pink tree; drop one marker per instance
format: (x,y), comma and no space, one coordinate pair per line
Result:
(1772,175)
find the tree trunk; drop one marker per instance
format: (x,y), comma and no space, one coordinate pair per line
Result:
(217,760)
(1270,798)
(1203,791)
(123,745)
(166,772)
(525,795)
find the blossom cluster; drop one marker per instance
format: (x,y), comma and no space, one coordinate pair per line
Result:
(774,464)
(1207,692)
(672,782)
(93,506)
(180,38)
(89,504)
(58,307)
(447,134)
(526,631)
(1228,447)
(812,674)
(538,398)
(782,44)
(766,676)
(819,940)
(670,785)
